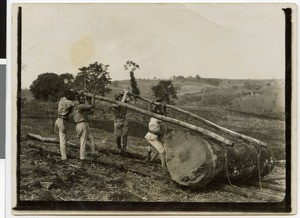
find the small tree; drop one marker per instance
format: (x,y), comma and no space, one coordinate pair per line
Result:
(198,78)
(179,78)
(250,85)
(165,90)
(131,66)
(94,79)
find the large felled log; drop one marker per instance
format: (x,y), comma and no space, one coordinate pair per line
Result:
(197,129)
(209,123)
(194,161)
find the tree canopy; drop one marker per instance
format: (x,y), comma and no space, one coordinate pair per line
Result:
(165,90)
(94,79)
(50,86)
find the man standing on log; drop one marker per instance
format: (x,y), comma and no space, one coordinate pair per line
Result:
(156,134)
(65,107)
(81,111)
(120,121)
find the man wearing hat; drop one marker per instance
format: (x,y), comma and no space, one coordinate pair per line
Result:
(156,134)
(120,121)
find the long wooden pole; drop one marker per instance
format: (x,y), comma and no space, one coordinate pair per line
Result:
(102,150)
(200,130)
(209,123)
(50,140)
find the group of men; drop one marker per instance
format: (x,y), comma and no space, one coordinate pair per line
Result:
(80,113)
(155,136)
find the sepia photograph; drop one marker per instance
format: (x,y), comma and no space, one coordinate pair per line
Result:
(153,108)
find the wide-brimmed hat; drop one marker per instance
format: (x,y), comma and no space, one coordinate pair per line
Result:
(118,95)
(158,109)
(158,99)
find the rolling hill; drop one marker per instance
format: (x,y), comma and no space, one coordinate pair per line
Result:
(257,97)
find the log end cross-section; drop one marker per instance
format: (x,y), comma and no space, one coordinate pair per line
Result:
(194,161)
(190,159)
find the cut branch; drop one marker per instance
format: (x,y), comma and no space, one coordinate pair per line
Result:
(102,150)
(51,140)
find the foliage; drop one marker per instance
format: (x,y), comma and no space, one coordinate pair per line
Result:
(68,83)
(50,86)
(190,98)
(250,85)
(198,78)
(165,90)
(213,82)
(94,79)
(115,83)
(131,66)
(68,79)
(179,78)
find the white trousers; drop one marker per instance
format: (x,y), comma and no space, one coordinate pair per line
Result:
(82,130)
(155,142)
(61,127)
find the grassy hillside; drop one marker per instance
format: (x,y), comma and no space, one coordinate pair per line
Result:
(257,97)
(43,176)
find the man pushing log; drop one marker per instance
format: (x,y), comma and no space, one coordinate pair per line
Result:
(65,107)
(81,111)
(120,121)
(156,134)
(195,159)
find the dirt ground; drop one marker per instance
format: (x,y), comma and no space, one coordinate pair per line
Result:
(112,177)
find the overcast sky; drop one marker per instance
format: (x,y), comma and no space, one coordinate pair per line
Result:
(231,41)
